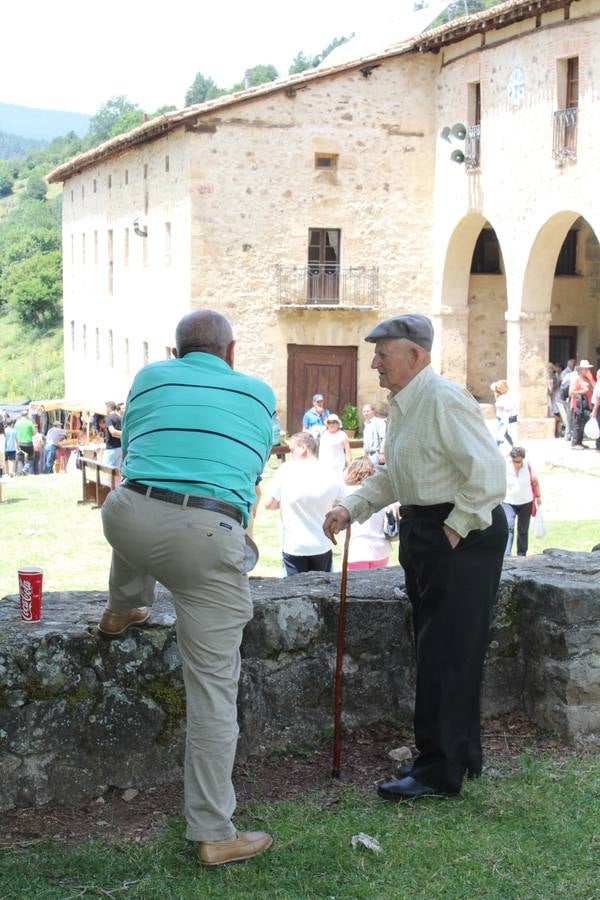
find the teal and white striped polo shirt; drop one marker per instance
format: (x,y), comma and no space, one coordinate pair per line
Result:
(196,426)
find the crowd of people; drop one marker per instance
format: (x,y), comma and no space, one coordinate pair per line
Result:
(30,442)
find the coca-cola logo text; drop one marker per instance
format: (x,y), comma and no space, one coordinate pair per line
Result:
(26,609)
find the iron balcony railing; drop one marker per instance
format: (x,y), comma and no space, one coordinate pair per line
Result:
(327,285)
(564,143)
(473,147)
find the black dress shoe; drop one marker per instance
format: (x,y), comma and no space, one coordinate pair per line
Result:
(409,789)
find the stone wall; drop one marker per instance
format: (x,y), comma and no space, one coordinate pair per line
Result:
(79,713)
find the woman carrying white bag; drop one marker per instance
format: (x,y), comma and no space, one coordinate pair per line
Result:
(523,499)
(592,426)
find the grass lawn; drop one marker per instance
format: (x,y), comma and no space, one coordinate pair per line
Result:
(532,835)
(43,525)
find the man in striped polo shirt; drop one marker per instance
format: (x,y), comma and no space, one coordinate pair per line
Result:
(196,435)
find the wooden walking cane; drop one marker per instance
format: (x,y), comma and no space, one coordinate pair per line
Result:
(339,660)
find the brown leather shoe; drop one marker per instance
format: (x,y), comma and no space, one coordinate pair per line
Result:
(113,624)
(243,846)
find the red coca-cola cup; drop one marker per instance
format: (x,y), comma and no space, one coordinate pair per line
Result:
(30,593)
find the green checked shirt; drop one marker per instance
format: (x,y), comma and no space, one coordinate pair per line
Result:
(437,450)
(196,426)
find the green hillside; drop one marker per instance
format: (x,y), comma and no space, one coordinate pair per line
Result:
(31,366)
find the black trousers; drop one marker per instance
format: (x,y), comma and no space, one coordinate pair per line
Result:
(522,513)
(296,565)
(452,593)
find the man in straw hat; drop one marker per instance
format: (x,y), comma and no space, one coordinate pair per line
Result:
(443,467)
(581,387)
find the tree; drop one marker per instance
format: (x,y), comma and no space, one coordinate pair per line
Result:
(33,288)
(37,187)
(131,118)
(114,117)
(35,214)
(258,75)
(7,179)
(301,62)
(202,89)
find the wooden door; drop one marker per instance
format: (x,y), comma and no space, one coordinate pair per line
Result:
(330,371)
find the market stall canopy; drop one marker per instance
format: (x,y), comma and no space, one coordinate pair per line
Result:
(14,410)
(90,406)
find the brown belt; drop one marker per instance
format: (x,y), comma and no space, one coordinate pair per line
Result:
(219,506)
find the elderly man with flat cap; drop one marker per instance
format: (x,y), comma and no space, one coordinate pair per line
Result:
(196,436)
(444,468)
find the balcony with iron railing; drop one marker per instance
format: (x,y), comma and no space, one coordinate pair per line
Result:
(473,147)
(564,143)
(352,287)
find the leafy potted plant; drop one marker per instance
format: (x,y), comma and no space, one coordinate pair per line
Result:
(350,419)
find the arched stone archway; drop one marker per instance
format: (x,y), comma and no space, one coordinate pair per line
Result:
(553,298)
(470,309)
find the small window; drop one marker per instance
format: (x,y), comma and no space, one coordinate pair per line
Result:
(167,243)
(145,171)
(83,192)
(486,255)
(474,103)
(95,185)
(72,196)
(573,82)
(126,176)
(109,182)
(326,160)
(566,264)
(167,163)
(110,261)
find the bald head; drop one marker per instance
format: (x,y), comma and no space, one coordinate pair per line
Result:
(205,331)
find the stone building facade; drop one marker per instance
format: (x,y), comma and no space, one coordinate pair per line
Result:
(309,208)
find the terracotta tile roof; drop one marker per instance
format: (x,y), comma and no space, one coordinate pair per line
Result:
(428,41)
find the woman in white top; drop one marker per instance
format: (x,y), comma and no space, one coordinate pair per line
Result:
(522,487)
(334,446)
(368,548)
(506,412)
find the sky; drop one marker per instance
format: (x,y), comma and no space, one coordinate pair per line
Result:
(73,56)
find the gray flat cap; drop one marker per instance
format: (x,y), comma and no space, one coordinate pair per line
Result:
(415,328)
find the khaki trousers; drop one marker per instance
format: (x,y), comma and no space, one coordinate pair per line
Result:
(202,557)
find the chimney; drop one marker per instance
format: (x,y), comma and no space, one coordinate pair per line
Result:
(247,79)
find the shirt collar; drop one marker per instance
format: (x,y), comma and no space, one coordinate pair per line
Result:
(407,396)
(207,359)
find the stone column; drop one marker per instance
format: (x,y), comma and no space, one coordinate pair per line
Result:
(450,345)
(527,348)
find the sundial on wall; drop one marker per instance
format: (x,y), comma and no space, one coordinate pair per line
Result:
(515,89)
